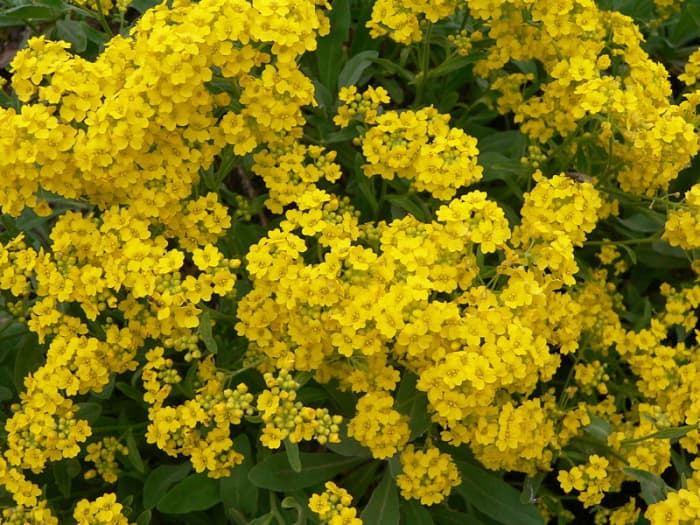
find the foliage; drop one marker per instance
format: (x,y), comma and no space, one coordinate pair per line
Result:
(370,262)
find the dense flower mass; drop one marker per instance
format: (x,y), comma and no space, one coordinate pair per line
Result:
(216,255)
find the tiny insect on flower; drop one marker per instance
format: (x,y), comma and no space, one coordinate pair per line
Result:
(579,177)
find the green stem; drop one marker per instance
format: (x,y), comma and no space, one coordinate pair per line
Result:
(646,240)
(252,366)
(122,20)
(216,314)
(228,160)
(654,435)
(425,63)
(647,203)
(275,511)
(382,199)
(102,19)
(84,12)
(120,428)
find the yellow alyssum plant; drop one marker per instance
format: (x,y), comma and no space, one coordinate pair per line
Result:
(488,312)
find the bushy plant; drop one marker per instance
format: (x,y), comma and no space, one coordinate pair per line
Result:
(386,262)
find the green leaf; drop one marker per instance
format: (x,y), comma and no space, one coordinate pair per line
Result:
(687,27)
(29,356)
(383,505)
(661,256)
(444,516)
(160,480)
(274,472)
(94,36)
(364,186)
(329,51)
(291,503)
(413,403)
(653,487)
(406,203)
(353,69)
(244,235)
(34,13)
(499,167)
(680,463)
(630,253)
(144,518)
(263,520)
(510,144)
(415,514)
(144,5)
(599,429)
(359,480)
(205,334)
(665,433)
(58,4)
(11,21)
(89,411)
(134,455)
(196,492)
(63,474)
(326,101)
(73,32)
(129,391)
(344,135)
(10,330)
(495,498)
(449,66)
(693,10)
(531,487)
(348,446)
(643,222)
(292,450)
(5,394)
(395,69)
(236,491)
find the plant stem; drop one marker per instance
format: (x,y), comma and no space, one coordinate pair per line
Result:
(102,19)
(425,63)
(646,240)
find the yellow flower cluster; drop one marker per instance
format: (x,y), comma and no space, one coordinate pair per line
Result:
(463,41)
(291,169)
(286,418)
(364,106)
(603,86)
(624,515)
(683,224)
(556,216)
(103,130)
(427,475)
(680,507)
(199,427)
(481,312)
(378,426)
(651,455)
(103,511)
(104,6)
(691,72)
(132,133)
(333,506)
(99,263)
(422,147)
(590,480)
(666,8)
(403,20)
(35,515)
(102,454)
(367,302)
(591,376)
